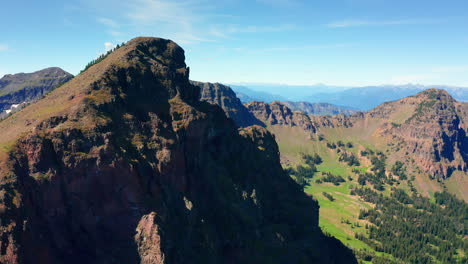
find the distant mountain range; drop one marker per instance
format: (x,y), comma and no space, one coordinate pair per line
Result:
(362,98)
(366,98)
(289,92)
(247,95)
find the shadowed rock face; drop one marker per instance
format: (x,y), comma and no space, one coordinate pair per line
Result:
(137,170)
(223,96)
(277,113)
(25,87)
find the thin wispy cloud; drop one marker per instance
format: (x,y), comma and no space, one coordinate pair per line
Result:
(115,33)
(261,29)
(188,21)
(3,47)
(412,78)
(432,74)
(363,23)
(112,25)
(151,11)
(227,31)
(295,48)
(108,22)
(109,46)
(451,69)
(278,2)
(175,19)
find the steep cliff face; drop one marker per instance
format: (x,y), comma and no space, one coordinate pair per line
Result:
(277,113)
(124,164)
(435,133)
(225,97)
(428,128)
(24,87)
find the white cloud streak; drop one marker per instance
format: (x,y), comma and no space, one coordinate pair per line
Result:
(260,29)
(287,3)
(451,69)
(185,21)
(108,22)
(362,23)
(156,11)
(433,74)
(405,79)
(268,50)
(227,31)
(109,46)
(4,47)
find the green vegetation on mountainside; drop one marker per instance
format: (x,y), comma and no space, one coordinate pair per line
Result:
(347,166)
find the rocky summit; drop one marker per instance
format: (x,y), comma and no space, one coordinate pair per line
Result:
(431,127)
(124,164)
(427,131)
(21,88)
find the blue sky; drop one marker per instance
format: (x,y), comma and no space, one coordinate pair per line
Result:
(338,42)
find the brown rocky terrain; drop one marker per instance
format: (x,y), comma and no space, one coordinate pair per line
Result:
(25,87)
(277,113)
(124,164)
(427,131)
(434,135)
(429,128)
(218,94)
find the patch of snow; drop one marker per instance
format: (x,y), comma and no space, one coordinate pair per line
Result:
(13,107)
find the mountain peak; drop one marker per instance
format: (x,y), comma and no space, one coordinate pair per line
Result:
(435,94)
(123,161)
(144,73)
(430,126)
(17,90)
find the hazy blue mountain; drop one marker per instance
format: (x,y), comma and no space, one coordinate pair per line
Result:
(320,108)
(366,98)
(286,92)
(362,98)
(246,95)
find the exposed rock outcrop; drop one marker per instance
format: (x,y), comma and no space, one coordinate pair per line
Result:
(124,164)
(429,128)
(225,97)
(277,113)
(434,135)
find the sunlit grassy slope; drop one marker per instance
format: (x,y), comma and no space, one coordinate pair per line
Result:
(339,218)
(293,142)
